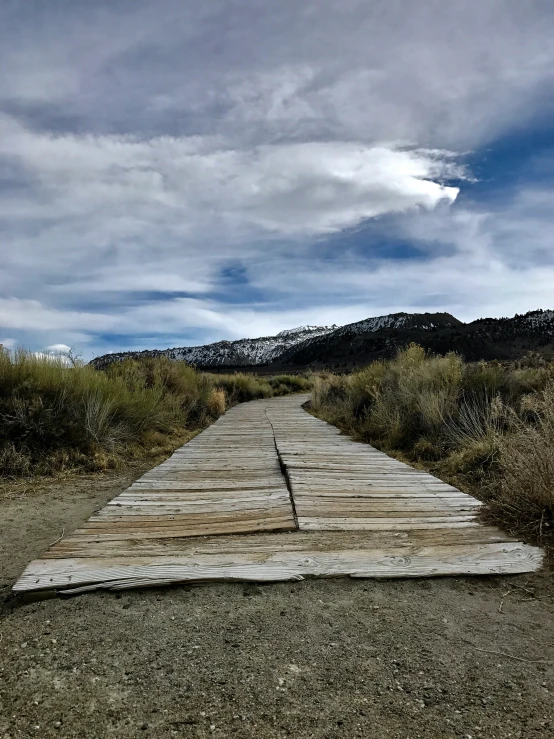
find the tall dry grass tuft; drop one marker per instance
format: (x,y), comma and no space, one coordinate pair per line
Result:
(522,496)
(217,402)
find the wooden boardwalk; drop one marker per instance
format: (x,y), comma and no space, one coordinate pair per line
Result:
(269,492)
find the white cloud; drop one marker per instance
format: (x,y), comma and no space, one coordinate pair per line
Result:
(305,188)
(58,349)
(145,149)
(31,315)
(450,74)
(58,353)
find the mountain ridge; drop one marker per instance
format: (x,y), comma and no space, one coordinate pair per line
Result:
(363,341)
(236,353)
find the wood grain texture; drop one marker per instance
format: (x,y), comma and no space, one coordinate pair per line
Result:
(269,492)
(334,480)
(116,573)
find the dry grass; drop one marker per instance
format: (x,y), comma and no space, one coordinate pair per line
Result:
(485,427)
(285,384)
(217,402)
(522,495)
(241,387)
(55,418)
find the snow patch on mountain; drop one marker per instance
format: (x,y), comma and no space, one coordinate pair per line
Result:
(539,318)
(306,331)
(422,321)
(239,353)
(247,351)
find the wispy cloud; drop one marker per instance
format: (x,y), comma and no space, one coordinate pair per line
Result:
(186,183)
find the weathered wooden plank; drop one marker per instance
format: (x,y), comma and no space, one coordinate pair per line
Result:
(207,484)
(360,507)
(220,509)
(72,574)
(221,528)
(287,541)
(197,503)
(377,492)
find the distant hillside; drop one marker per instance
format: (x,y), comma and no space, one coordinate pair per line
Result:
(240,353)
(486,338)
(358,343)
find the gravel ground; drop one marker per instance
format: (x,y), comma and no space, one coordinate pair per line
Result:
(433,658)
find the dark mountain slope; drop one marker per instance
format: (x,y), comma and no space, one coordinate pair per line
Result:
(374,338)
(487,339)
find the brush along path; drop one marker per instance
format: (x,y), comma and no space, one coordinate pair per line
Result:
(261,471)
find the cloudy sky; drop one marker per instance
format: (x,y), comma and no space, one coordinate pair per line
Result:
(176,172)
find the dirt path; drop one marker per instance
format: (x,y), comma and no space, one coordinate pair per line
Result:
(320,658)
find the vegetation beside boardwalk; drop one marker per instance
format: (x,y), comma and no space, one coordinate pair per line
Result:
(486,427)
(54,417)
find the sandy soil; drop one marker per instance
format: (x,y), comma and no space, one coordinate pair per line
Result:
(321,658)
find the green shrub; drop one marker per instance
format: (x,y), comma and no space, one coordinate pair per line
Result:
(284,384)
(394,402)
(54,417)
(474,460)
(241,387)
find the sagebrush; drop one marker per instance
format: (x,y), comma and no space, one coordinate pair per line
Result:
(55,417)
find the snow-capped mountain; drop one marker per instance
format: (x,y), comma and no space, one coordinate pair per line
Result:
(239,353)
(536,320)
(422,321)
(345,340)
(270,349)
(247,351)
(373,338)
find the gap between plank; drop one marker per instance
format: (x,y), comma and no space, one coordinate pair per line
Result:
(284,472)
